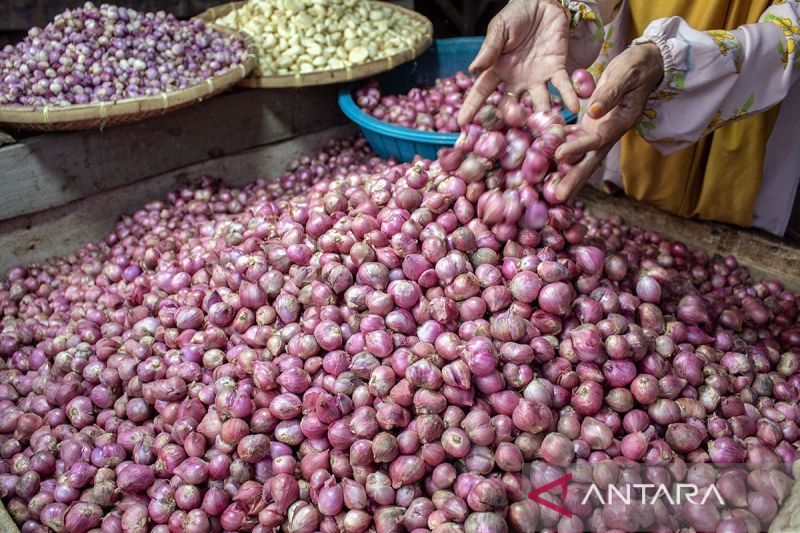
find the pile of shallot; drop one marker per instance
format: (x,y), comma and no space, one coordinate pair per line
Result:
(361,345)
(435,108)
(98,54)
(426,109)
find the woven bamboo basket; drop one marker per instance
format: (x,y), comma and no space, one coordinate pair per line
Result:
(105,114)
(325,77)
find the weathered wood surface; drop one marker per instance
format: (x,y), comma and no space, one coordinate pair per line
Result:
(766,256)
(7,525)
(5,139)
(61,231)
(267,161)
(51,170)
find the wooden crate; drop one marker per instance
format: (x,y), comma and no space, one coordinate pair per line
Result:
(767,256)
(58,191)
(6,524)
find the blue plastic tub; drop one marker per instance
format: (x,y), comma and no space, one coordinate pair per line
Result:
(444,58)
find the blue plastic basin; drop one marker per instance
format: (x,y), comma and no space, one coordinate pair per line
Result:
(444,58)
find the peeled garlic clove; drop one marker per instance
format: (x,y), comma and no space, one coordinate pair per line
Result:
(358,54)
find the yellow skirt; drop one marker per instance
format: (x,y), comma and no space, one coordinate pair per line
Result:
(717,178)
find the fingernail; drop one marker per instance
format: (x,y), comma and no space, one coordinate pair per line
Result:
(560,192)
(595,109)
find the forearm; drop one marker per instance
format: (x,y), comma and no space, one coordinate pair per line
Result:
(712,78)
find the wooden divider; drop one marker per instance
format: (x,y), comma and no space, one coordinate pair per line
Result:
(766,256)
(53,169)
(62,230)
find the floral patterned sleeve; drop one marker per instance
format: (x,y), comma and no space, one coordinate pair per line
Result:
(720,76)
(586,31)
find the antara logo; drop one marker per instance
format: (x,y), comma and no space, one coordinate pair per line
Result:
(636,492)
(560,482)
(682,493)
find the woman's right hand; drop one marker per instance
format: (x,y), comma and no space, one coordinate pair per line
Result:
(525,47)
(614,109)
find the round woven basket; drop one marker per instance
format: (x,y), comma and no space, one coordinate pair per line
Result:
(103,114)
(325,77)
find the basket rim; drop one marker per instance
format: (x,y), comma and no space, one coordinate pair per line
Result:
(22,116)
(330,76)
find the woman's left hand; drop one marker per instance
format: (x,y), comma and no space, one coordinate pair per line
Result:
(614,108)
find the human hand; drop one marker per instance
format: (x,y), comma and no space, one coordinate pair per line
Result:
(525,47)
(614,108)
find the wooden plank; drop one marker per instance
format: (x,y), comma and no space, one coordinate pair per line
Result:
(766,256)
(62,230)
(7,525)
(6,139)
(54,169)
(240,169)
